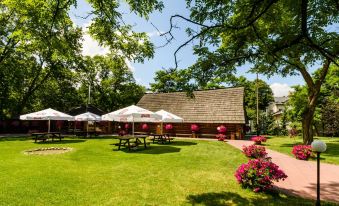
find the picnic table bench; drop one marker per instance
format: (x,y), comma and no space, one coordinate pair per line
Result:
(45,135)
(125,141)
(162,138)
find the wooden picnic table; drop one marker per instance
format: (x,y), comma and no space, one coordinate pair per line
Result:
(126,141)
(45,135)
(161,138)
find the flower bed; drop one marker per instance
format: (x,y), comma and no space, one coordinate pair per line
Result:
(302,152)
(258,139)
(259,174)
(254,151)
(220,137)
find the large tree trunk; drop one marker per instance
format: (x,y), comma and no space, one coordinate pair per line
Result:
(313,94)
(307,123)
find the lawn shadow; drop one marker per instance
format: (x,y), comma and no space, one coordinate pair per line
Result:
(21,138)
(217,199)
(183,143)
(332,149)
(230,198)
(66,141)
(151,150)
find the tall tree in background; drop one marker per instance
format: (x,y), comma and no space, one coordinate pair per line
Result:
(325,113)
(112,83)
(276,37)
(40,47)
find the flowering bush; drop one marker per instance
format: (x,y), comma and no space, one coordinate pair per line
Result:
(168,126)
(302,152)
(259,174)
(222,129)
(126,126)
(221,137)
(254,151)
(258,139)
(194,128)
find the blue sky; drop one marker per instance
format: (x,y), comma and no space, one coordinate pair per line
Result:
(163,58)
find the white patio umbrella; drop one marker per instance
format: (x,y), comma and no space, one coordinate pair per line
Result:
(47,114)
(132,114)
(87,116)
(168,117)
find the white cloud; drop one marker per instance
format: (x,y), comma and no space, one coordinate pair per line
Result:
(154,33)
(90,47)
(280,90)
(129,65)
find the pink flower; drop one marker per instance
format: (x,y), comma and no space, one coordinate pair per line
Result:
(302,152)
(259,174)
(254,151)
(194,127)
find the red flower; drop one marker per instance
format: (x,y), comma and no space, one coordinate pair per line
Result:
(126,126)
(259,174)
(221,137)
(144,127)
(168,126)
(194,127)
(254,151)
(259,139)
(302,152)
(222,129)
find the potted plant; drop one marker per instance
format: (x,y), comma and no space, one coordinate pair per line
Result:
(194,129)
(258,139)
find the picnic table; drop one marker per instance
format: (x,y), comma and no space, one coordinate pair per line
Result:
(161,138)
(45,135)
(125,141)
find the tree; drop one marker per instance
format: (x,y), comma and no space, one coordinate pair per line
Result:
(276,37)
(326,103)
(39,46)
(112,83)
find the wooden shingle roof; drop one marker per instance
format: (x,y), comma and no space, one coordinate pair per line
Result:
(209,106)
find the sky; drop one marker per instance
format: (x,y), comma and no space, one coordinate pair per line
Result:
(163,57)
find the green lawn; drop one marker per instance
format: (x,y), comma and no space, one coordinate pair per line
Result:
(94,173)
(285,145)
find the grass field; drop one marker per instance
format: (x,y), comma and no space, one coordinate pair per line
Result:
(94,173)
(285,144)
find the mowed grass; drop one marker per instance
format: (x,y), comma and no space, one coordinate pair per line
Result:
(94,173)
(285,145)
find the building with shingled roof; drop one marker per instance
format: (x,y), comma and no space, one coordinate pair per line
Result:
(208,109)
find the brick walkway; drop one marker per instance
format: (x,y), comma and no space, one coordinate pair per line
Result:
(301,174)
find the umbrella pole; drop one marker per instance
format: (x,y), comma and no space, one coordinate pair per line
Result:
(87,129)
(161,128)
(49,125)
(133,127)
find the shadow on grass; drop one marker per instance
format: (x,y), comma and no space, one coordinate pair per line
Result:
(230,198)
(182,143)
(332,149)
(151,150)
(66,141)
(23,138)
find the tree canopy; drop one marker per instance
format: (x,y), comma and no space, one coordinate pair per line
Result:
(275,37)
(41,61)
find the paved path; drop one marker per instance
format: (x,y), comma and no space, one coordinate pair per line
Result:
(302,175)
